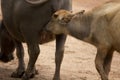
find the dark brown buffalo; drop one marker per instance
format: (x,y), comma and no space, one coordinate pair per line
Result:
(25,21)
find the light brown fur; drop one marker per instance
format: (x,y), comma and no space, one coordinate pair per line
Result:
(100,27)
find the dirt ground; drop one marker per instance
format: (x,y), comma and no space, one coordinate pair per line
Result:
(78,62)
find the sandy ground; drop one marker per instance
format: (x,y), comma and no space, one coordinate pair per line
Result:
(78,62)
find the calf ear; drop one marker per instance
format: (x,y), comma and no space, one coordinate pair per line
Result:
(79,13)
(82,11)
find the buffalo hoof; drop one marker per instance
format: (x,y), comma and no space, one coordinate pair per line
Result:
(27,76)
(17,74)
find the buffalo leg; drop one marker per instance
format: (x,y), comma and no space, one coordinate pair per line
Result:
(99,61)
(107,62)
(60,41)
(21,65)
(33,51)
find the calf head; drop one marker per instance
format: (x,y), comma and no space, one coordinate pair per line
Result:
(60,21)
(7,45)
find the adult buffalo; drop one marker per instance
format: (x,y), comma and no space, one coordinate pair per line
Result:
(25,20)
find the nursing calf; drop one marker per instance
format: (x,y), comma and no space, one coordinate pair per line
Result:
(100,27)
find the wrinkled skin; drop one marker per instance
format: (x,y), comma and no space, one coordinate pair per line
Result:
(25,23)
(7,45)
(99,27)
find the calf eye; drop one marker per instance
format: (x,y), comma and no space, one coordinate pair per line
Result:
(55,15)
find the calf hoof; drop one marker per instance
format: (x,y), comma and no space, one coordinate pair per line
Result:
(56,78)
(104,79)
(17,74)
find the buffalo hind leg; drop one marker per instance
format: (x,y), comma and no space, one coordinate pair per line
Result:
(107,61)
(33,51)
(99,61)
(60,41)
(21,65)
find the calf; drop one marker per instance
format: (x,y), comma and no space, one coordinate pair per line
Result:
(100,27)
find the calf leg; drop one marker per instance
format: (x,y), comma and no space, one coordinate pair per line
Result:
(60,41)
(107,62)
(99,61)
(21,65)
(33,51)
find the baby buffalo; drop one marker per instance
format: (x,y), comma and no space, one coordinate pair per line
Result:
(100,27)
